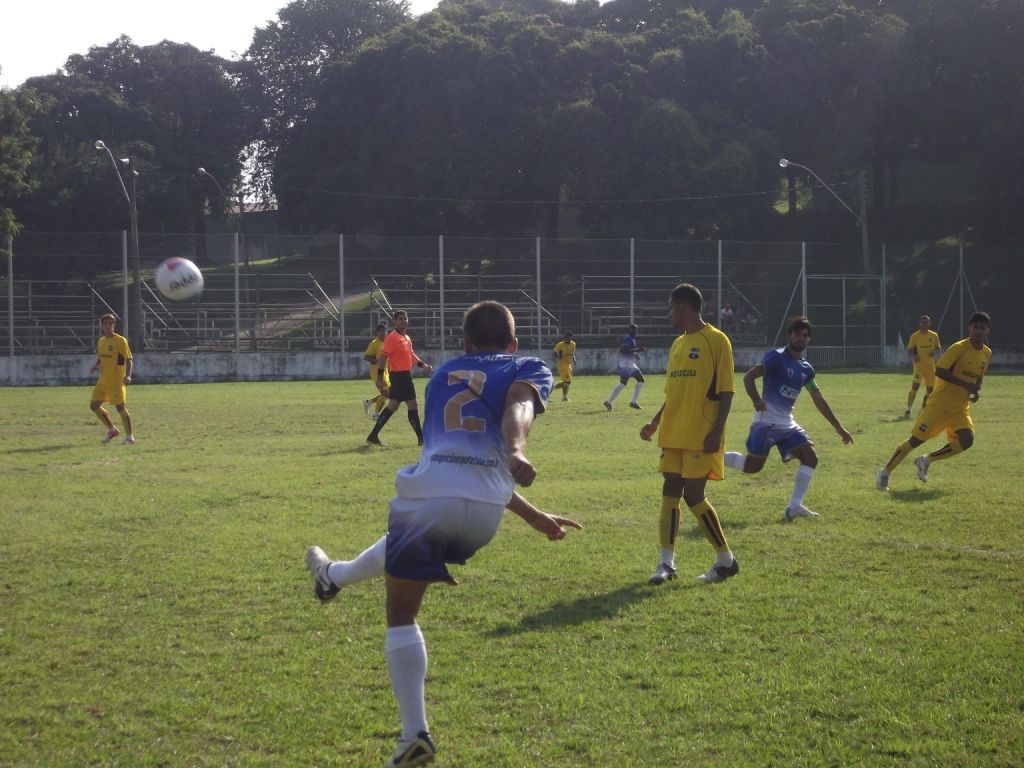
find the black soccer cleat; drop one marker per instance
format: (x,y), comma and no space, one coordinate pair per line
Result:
(318,562)
(420,752)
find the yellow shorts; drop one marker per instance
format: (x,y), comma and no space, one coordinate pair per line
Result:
(105,392)
(692,464)
(565,373)
(387,379)
(925,374)
(934,418)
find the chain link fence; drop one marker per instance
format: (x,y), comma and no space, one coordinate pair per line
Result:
(287,292)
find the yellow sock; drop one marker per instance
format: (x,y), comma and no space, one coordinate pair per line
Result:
(950,449)
(710,526)
(901,453)
(668,523)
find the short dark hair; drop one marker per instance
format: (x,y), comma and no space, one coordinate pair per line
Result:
(400,312)
(108,316)
(980,317)
(798,323)
(381,325)
(687,293)
(489,324)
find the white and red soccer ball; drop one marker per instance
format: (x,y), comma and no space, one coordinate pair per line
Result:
(179,279)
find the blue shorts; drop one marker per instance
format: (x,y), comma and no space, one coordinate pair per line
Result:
(632,372)
(763,436)
(426,534)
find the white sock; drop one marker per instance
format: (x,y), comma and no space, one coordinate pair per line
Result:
(724,558)
(668,557)
(801,483)
(735,460)
(615,392)
(406,653)
(636,392)
(368,565)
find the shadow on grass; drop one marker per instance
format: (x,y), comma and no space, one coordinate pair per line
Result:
(917,495)
(581,611)
(38,449)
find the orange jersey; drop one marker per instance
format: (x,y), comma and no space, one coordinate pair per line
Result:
(398,351)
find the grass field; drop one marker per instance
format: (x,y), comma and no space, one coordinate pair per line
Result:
(155,609)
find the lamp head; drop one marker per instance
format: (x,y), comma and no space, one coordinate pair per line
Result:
(783,163)
(201,171)
(99,144)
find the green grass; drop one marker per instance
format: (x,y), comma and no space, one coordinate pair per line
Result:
(155,610)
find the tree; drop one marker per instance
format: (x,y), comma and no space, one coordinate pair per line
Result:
(170,107)
(291,55)
(17,145)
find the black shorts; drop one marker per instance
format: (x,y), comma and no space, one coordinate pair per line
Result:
(402,388)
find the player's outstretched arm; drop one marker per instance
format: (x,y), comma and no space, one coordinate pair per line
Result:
(552,526)
(826,411)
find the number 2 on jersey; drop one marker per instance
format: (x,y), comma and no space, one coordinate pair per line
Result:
(453,418)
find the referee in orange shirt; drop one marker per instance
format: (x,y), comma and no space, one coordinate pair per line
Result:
(400,358)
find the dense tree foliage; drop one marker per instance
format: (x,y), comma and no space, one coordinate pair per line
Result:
(169,107)
(653,118)
(290,54)
(16,147)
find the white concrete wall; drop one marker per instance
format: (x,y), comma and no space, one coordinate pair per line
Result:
(167,368)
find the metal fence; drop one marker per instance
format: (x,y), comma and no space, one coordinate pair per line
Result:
(283,292)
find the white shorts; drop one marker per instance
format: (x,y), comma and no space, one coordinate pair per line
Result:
(426,534)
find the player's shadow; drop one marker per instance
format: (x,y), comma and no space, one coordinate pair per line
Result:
(36,449)
(917,495)
(580,611)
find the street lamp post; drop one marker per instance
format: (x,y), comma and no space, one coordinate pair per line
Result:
(136,332)
(862,219)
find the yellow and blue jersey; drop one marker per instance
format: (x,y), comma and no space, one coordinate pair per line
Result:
(965,362)
(373,349)
(112,353)
(926,343)
(700,369)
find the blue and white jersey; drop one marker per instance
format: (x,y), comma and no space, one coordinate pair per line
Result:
(464,454)
(629,359)
(784,377)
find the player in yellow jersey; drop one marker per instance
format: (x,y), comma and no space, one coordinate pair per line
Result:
(565,356)
(960,371)
(114,362)
(373,406)
(698,394)
(924,348)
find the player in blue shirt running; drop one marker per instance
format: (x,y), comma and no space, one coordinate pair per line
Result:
(629,368)
(479,409)
(785,373)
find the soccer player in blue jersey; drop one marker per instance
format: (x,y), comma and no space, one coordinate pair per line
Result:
(785,373)
(479,409)
(629,368)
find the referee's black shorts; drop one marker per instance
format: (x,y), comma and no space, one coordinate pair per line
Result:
(402,388)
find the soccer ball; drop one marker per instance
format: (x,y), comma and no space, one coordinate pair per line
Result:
(179,279)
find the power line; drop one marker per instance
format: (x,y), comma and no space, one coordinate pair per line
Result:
(611,201)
